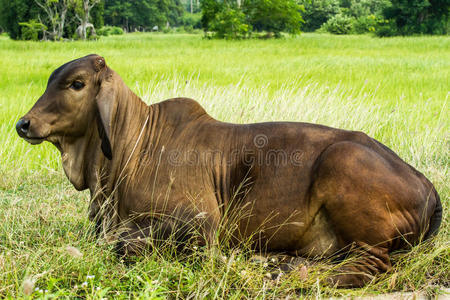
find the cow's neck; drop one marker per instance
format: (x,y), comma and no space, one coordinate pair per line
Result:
(132,127)
(106,177)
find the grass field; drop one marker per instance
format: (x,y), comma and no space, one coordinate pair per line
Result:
(396,90)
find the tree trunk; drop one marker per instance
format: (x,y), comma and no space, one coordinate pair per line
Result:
(84,18)
(62,21)
(53,10)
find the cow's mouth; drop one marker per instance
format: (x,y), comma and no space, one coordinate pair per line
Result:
(34,140)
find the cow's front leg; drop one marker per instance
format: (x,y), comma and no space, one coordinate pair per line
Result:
(95,216)
(133,241)
(148,234)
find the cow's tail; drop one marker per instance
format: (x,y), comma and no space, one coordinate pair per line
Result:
(436,218)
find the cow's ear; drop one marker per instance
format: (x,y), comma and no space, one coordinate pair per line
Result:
(106,144)
(106,105)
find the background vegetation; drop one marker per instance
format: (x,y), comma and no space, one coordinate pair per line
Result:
(396,90)
(230,19)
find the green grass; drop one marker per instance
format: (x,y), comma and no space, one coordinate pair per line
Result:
(396,90)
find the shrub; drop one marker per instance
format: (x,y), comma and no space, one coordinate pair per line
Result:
(110,30)
(364,24)
(210,8)
(31,29)
(188,28)
(318,12)
(385,28)
(417,16)
(230,24)
(192,20)
(167,30)
(363,8)
(227,19)
(339,24)
(274,15)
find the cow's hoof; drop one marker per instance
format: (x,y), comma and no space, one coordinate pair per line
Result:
(120,249)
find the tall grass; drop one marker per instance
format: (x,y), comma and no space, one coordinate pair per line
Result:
(396,90)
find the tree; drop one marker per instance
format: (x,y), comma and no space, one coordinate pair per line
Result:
(229,23)
(339,24)
(31,29)
(210,8)
(143,14)
(14,11)
(192,6)
(172,12)
(318,12)
(274,15)
(82,13)
(363,8)
(56,11)
(418,16)
(236,18)
(118,13)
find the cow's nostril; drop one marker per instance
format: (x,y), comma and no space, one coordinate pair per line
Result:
(22,126)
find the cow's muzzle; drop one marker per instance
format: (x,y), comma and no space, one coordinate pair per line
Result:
(23,130)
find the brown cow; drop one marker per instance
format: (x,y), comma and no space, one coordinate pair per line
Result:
(303,189)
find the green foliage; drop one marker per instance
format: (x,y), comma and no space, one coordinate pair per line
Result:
(110,30)
(14,11)
(192,20)
(229,20)
(317,12)
(404,17)
(118,13)
(365,24)
(418,16)
(385,28)
(196,8)
(229,23)
(345,16)
(210,8)
(143,14)
(97,14)
(274,15)
(173,10)
(339,24)
(363,8)
(31,30)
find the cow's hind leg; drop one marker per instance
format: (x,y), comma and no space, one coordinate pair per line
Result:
(361,264)
(370,206)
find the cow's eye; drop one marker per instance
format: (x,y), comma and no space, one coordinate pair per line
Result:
(77,85)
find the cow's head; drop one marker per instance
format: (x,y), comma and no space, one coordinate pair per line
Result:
(78,97)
